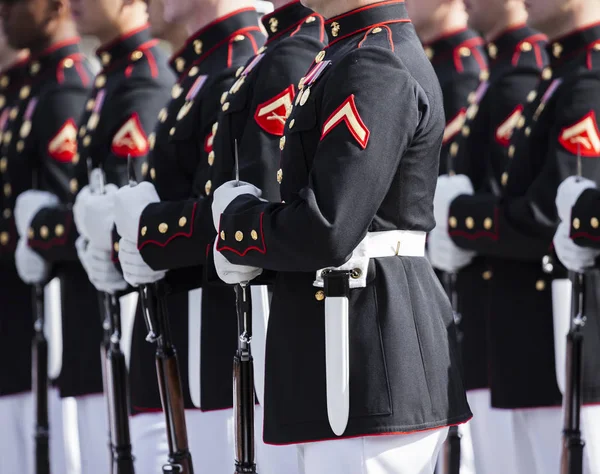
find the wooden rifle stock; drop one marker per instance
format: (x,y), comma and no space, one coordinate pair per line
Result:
(40,385)
(243,386)
(573,444)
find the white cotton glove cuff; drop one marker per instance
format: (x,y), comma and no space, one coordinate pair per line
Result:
(226,193)
(28,204)
(572,256)
(99,267)
(32,268)
(233,274)
(567,194)
(93,215)
(444,254)
(129,204)
(447,190)
(135,271)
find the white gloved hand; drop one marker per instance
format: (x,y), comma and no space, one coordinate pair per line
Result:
(226,193)
(28,204)
(135,270)
(99,267)
(572,256)
(447,190)
(444,254)
(32,268)
(129,203)
(567,194)
(231,273)
(93,215)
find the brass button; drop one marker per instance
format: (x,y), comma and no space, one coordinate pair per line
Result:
(546,73)
(116,246)
(176,91)
(472,111)
(239,38)
(453,222)
(100,81)
(466,131)
(528,131)
(239,236)
(73,185)
(172,131)
(310,19)
(13,113)
(24,92)
(152,174)
(192,72)
(376,30)
(225,107)
(224,96)
(30,233)
(215,127)
(163,114)
(254,235)
(59,230)
(144,169)
(2,101)
(211,158)
(7,213)
(182,221)
(143,231)
(20,146)
(282,143)
(521,122)
(531,96)
(82,131)
(492,50)
(179,64)
(222,235)
(4,81)
(487,275)
(3,164)
(454,149)
(239,71)
(484,75)
(540,285)
(35,67)
(87,140)
(75,159)
(44,232)
(320,295)
(208,187)
(319,57)
(464,52)
(7,189)
(68,63)
(576,223)
(4,238)
(292,122)
(557,50)
(198,46)
(152,140)
(487,223)
(511,151)
(279,176)
(504,178)
(136,55)
(105,58)
(469,222)
(526,46)
(594,222)
(163,228)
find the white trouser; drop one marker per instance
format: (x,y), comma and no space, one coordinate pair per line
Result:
(92,424)
(17,444)
(492,435)
(590,429)
(537,436)
(211,439)
(272,459)
(149,442)
(414,453)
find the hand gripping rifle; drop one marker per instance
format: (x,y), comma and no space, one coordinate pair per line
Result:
(573,444)
(243,375)
(156,316)
(39,372)
(114,369)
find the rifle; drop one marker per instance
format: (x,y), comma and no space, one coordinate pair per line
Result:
(156,316)
(40,384)
(243,374)
(572,449)
(114,369)
(452,450)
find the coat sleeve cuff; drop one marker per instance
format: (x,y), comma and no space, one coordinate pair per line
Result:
(585,219)
(52,234)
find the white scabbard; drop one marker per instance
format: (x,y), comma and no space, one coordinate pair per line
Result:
(337,350)
(194,335)
(561,309)
(53,327)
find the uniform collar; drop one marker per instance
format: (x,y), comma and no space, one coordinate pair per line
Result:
(446,45)
(12,76)
(365,18)
(581,40)
(285,19)
(519,38)
(205,40)
(122,47)
(52,56)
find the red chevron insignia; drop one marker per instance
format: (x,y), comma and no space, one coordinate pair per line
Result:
(63,146)
(348,113)
(583,137)
(506,128)
(454,126)
(130,139)
(272,114)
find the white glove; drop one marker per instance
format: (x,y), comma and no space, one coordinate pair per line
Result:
(226,193)
(567,194)
(129,204)
(28,204)
(93,215)
(233,274)
(32,268)
(447,190)
(444,254)
(572,256)
(99,267)
(135,270)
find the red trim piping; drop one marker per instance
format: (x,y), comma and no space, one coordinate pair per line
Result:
(446,35)
(366,28)
(56,46)
(121,38)
(358,10)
